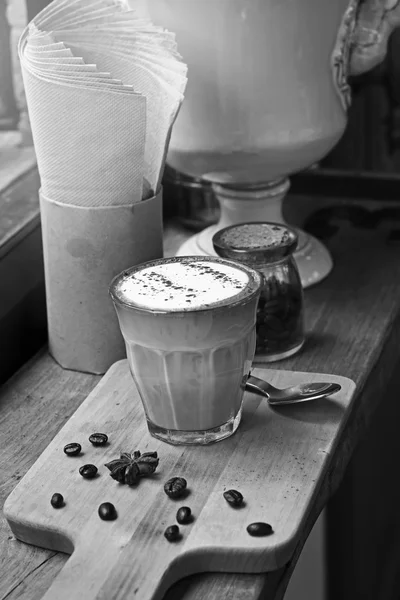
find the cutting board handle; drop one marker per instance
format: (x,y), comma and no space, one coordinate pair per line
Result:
(95,572)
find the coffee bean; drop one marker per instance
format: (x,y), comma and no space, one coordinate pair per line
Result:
(57,500)
(72,449)
(234,498)
(88,471)
(172,533)
(184,515)
(107,511)
(98,439)
(175,487)
(259,529)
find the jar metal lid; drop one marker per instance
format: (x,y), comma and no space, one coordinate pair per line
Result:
(255,242)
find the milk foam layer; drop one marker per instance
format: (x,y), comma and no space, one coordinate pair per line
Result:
(182,285)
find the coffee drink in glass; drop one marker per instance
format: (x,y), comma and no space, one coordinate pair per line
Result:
(189,329)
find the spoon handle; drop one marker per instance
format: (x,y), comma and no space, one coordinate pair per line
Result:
(259,386)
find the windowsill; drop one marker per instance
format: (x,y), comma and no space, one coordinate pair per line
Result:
(19,182)
(14,162)
(19,209)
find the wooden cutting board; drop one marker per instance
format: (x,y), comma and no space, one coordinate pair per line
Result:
(276,460)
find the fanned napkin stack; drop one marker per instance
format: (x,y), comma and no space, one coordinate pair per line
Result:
(103,89)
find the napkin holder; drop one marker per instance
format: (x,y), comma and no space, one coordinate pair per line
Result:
(84,248)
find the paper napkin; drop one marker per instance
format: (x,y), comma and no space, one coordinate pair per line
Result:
(103,88)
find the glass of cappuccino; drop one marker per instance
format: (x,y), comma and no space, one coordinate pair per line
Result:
(189,328)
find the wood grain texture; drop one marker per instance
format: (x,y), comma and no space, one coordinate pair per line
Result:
(19,199)
(353,323)
(277,459)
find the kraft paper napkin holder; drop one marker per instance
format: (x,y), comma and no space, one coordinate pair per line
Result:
(102,101)
(84,248)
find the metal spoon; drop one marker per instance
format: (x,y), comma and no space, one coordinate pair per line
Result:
(291,395)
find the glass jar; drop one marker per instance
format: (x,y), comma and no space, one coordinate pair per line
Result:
(268,247)
(191,199)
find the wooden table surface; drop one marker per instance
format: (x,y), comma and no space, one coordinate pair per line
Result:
(353,324)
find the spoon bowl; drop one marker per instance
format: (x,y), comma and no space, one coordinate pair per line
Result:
(302,392)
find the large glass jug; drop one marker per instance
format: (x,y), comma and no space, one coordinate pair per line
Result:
(267,96)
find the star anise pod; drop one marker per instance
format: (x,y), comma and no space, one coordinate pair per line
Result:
(147,463)
(130,467)
(132,473)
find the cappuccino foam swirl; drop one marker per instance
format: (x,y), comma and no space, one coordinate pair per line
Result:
(182,285)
